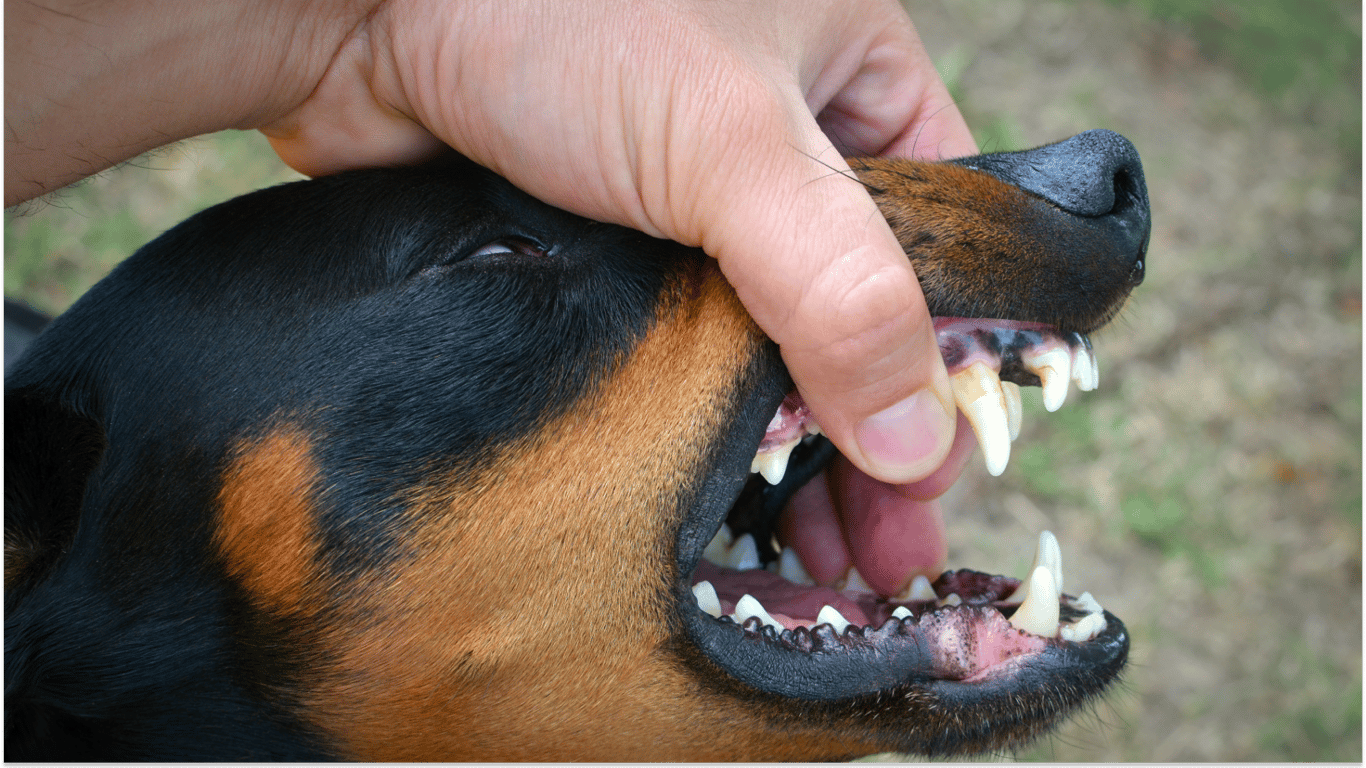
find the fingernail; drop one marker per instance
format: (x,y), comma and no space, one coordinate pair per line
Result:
(909,440)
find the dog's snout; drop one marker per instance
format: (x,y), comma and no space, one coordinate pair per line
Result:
(1095,175)
(1091,174)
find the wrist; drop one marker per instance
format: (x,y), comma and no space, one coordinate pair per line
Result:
(93,84)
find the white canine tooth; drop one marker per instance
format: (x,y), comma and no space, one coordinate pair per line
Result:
(773,464)
(1014,408)
(1038,614)
(749,608)
(812,428)
(854,581)
(719,545)
(707,599)
(744,556)
(1054,369)
(977,390)
(1048,555)
(901,613)
(1090,626)
(834,618)
(790,568)
(921,589)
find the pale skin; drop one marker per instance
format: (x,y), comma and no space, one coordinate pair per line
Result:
(715,124)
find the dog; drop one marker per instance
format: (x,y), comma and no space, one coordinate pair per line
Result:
(406,465)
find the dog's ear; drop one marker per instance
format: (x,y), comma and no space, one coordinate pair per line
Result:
(50,452)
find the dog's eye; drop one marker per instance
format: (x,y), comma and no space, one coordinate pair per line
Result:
(510,246)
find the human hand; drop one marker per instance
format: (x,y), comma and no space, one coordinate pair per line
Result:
(710,123)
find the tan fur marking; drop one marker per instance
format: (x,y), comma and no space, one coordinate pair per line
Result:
(972,217)
(538,595)
(266,528)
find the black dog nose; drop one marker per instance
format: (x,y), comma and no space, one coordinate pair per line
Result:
(1087,175)
(1093,175)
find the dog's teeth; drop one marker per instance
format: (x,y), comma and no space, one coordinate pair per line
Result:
(854,581)
(744,556)
(834,618)
(790,568)
(1090,626)
(1014,408)
(1087,603)
(901,612)
(716,550)
(952,601)
(707,599)
(1039,612)
(920,589)
(812,428)
(1085,358)
(1054,369)
(1048,555)
(977,389)
(749,608)
(1093,369)
(773,464)
(1083,369)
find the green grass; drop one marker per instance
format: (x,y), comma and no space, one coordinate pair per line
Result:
(57,247)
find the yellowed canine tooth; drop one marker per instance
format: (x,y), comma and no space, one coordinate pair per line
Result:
(977,390)
(1039,612)
(1054,369)
(707,599)
(1014,408)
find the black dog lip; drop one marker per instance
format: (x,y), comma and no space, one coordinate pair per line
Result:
(893,656)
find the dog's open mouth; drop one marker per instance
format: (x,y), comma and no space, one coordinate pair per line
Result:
(962,637)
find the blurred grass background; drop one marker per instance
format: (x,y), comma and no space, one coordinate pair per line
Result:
(1209,493)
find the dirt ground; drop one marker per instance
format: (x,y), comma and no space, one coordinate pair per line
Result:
(1209,494)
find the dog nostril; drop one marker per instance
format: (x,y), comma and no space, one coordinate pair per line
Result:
(1091,174)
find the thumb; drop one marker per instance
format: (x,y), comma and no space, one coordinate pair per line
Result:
(817,266)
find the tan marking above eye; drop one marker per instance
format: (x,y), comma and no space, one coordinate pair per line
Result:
(266,530)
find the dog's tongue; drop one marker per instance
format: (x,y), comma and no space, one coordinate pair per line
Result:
(890,533)
(891,536)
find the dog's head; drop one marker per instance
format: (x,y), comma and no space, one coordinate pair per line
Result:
(403,464)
